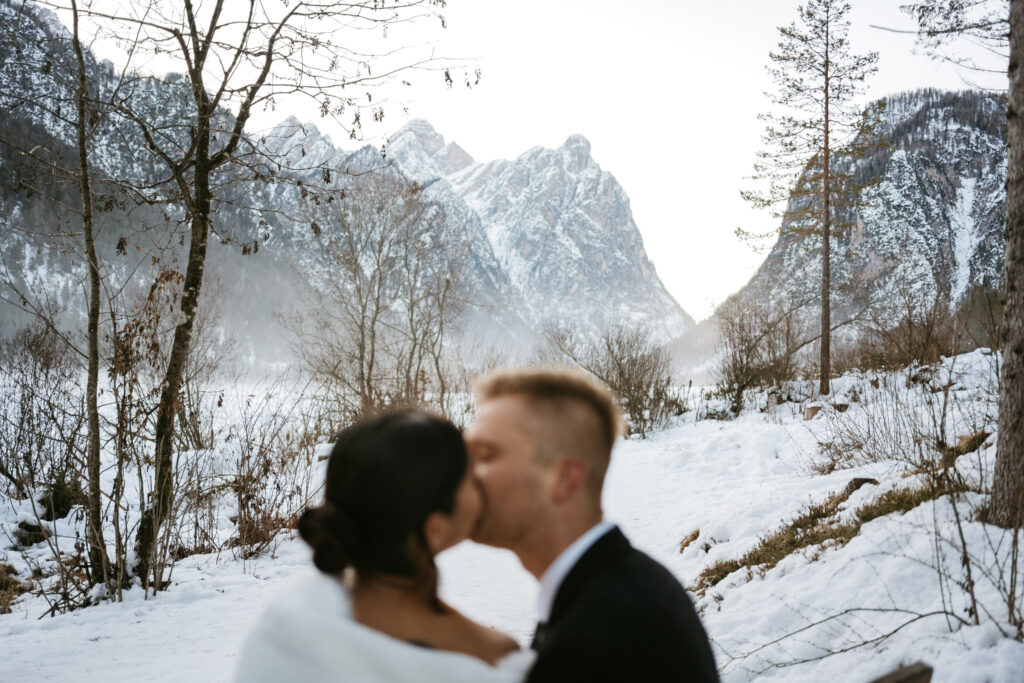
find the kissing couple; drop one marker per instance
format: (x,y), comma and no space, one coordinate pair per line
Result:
(527,476)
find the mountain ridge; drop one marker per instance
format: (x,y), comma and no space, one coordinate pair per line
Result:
(577,260)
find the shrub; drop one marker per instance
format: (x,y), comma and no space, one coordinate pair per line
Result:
(10,587)
(631,364)
(760,343)
(42,428)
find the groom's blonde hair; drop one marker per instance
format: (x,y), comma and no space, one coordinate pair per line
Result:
(580,414)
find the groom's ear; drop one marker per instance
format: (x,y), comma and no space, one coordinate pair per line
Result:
(570,478)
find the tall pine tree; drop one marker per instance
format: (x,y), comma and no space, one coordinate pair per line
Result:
(813,135)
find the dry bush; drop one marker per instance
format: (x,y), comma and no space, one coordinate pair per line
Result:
(902,329)
(981,317)
(42,420)
(628,361)
(272,455)
(916,417)
(11,587)
(760,344)
(200,487)
(141,338)
(241,493)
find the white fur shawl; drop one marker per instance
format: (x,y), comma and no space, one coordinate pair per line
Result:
(308,634)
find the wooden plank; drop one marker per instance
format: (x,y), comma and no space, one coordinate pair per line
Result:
(914,673)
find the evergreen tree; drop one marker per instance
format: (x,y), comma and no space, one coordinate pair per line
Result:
(814,137)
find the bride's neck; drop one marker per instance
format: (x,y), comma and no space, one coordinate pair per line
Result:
(389,589)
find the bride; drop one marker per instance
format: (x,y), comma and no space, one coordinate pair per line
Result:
(398,492)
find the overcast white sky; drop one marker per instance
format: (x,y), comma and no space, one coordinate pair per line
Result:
(667,92)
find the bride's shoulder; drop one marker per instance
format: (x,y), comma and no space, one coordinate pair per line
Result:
(484,642)
(310,594)
(500,642)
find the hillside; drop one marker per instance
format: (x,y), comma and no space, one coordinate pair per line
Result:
(926,229)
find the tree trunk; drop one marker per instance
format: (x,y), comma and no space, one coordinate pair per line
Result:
(163,489)
(98,562)
(826,247)
(1008,487)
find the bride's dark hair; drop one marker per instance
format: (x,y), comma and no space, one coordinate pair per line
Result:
(385,476)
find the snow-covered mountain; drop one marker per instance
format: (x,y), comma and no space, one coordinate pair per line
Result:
(929,224)
(560,227)
(927,228)
(549,237)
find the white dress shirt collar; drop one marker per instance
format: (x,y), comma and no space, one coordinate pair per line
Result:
(560,568)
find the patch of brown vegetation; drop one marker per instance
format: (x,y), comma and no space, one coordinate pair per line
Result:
(688,540)
(27,534)
(817,526)
(967,444)
(10,587)
(898,500)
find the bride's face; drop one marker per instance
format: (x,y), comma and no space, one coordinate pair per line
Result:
(443,531)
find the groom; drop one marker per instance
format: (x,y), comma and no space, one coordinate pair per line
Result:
(541,444)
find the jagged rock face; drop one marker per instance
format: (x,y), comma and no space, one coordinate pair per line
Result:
(931,227)
(927,230)
(496,311)
(560,227)
(421,151)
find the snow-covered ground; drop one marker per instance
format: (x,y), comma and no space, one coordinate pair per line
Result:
(733,481)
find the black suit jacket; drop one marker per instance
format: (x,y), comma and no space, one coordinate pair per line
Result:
(621,616)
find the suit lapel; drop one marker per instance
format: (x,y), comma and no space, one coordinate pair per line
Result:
(606,550)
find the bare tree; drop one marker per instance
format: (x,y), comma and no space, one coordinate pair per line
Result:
(626,359)
(72,86)
(385,293)
(760,342)
(99,563)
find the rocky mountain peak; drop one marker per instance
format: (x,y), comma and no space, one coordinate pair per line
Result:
(417,133)
(302,144)
(421,151)
(563,231)
(576,150)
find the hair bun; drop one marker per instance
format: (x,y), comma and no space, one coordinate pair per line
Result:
(331,534)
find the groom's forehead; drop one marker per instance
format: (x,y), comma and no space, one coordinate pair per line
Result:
(506,413)
(503,410)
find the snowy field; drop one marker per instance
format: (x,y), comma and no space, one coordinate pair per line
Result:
(733,481)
